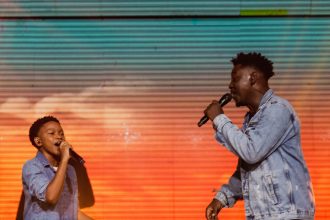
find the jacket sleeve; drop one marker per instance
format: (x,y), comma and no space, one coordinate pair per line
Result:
(232,191)
(35,180)
(262,136)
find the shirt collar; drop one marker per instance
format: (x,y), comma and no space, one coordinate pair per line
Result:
(43,160)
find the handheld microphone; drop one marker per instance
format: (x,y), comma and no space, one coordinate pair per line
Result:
(76,156)
(223,101)
(73,154)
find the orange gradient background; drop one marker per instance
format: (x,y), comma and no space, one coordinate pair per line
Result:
(149,160)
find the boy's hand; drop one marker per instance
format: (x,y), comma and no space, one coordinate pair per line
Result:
(64,149)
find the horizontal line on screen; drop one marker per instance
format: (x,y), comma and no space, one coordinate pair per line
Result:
(161,17)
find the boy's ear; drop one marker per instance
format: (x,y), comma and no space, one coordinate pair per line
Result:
(38,142)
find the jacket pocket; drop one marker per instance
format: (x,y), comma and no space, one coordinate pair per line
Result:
(270,188)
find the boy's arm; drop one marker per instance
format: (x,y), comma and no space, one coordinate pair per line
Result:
(55,186)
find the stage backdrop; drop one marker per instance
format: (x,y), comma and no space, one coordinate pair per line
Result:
(129,82)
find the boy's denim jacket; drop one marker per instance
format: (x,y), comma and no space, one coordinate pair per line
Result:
(271,175)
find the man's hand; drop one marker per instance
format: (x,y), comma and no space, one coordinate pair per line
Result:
(213,209)
(213,110)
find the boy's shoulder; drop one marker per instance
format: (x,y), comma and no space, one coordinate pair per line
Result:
(38,162)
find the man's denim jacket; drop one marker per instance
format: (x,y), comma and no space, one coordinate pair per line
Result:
(271,174)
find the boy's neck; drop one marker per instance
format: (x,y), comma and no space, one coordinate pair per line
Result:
(53,161)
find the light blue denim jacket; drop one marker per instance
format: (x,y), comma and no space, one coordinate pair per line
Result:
(271,175)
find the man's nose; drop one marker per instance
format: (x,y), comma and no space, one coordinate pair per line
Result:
(230,86)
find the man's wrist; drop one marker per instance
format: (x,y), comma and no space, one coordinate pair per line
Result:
(219,204)
(220,121)
(222,198)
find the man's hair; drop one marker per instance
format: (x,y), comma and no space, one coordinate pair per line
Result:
(35,127)
(255,60)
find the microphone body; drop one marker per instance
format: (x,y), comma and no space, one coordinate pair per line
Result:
(76,156)
(73,154)
(223,101)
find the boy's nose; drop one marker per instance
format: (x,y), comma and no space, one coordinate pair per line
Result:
(59,137)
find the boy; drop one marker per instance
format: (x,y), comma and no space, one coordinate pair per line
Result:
(49,182)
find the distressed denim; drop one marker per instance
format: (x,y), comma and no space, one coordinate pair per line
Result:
(271,175)
(37,174)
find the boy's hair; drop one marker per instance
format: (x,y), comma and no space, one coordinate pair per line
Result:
(255,60)
(35,127)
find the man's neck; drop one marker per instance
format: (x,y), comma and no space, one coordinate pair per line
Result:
(257,97)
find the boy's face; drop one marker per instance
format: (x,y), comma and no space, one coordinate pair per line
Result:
(50,136)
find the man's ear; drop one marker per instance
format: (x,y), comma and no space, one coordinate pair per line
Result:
(37,141)
(253,78)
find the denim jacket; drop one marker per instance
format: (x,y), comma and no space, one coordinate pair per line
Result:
(271,175)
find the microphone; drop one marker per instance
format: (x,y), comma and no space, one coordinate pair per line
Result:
(76,156)
(223,101)
(73,154)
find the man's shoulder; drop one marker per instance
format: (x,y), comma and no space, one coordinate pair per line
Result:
(276,100)
(278,106)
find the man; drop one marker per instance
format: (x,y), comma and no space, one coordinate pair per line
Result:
(271,176)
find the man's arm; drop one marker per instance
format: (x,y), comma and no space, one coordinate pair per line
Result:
(232,191)
(227,196)
(261,138)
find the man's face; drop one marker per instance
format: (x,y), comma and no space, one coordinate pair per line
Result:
(51,135)
(240,84)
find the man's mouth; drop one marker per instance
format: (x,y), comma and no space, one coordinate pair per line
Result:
(234,96)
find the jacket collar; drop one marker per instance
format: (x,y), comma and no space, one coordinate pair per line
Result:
(266,97)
